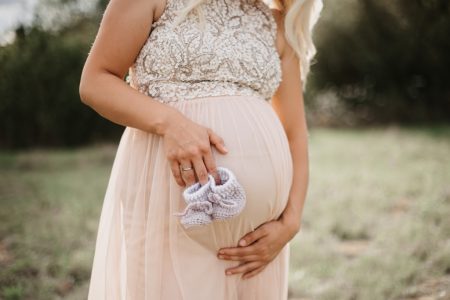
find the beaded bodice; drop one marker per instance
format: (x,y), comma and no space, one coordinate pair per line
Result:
(235,54)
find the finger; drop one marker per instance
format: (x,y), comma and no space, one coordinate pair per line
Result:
(252,257)
(188,176)
(200,170)
(253,236)
(241,251)
(211,165)
(175,167)
(253,272)
(217,141)
(243,268)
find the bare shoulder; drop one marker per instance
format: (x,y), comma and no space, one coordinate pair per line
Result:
(123,30)
(281,39)
(160,7)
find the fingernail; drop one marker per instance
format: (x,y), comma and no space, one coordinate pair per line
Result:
(228,272)
(242,243)
(222,252)
(225,148)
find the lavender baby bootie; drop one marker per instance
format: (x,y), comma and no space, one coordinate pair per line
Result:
(198,210)
(228,198)
(211,201)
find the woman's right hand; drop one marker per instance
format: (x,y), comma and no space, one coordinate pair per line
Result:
(188,144)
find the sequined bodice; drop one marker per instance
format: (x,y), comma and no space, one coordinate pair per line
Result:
(235,54)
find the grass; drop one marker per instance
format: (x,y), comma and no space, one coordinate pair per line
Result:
(376,223)
(50,204)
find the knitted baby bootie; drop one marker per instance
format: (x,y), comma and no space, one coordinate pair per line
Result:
(228,198)
(198,210)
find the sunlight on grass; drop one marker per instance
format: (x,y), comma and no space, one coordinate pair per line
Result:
(376,218)
(375,225)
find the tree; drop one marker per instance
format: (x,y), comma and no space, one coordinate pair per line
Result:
(392,62)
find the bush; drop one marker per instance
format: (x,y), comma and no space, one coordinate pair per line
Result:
(40,103)
(391,63)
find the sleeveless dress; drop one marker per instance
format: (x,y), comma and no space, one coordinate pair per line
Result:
(223,77)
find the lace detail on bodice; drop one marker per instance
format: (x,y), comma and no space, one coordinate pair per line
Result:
(235,54)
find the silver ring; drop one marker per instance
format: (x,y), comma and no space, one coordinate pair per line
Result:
(185,168)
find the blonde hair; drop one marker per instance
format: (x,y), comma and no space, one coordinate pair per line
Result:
(300,17)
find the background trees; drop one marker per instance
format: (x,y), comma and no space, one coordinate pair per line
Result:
(379,61)
(387,61)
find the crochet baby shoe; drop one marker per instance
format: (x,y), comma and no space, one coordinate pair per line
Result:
(198,210)
(228,198)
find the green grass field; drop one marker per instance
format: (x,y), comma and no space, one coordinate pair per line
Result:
(376,222)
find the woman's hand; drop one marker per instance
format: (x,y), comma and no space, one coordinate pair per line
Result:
(259,247)
(188,143)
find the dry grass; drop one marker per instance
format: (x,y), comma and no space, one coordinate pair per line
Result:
(376,223)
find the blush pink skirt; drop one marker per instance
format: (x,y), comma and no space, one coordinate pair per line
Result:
(142,250)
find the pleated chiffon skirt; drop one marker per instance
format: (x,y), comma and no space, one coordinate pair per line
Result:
(142,250)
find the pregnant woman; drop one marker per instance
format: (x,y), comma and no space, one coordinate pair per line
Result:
(211,83)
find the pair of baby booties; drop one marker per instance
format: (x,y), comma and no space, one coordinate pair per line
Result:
(211,201)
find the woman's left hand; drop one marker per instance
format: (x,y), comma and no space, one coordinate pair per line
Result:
(258,248)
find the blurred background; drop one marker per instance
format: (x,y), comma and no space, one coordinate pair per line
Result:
(376,223)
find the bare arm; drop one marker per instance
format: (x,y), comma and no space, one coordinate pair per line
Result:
(289,105)
(123,31)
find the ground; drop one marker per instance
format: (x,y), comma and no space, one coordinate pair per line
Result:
(376,222)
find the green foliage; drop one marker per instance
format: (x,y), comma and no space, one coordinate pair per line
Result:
(12,293)
(391,63)
(102,4)
(387,61)
(40,102)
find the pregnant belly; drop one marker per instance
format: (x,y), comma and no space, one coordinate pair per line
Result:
(258,155)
